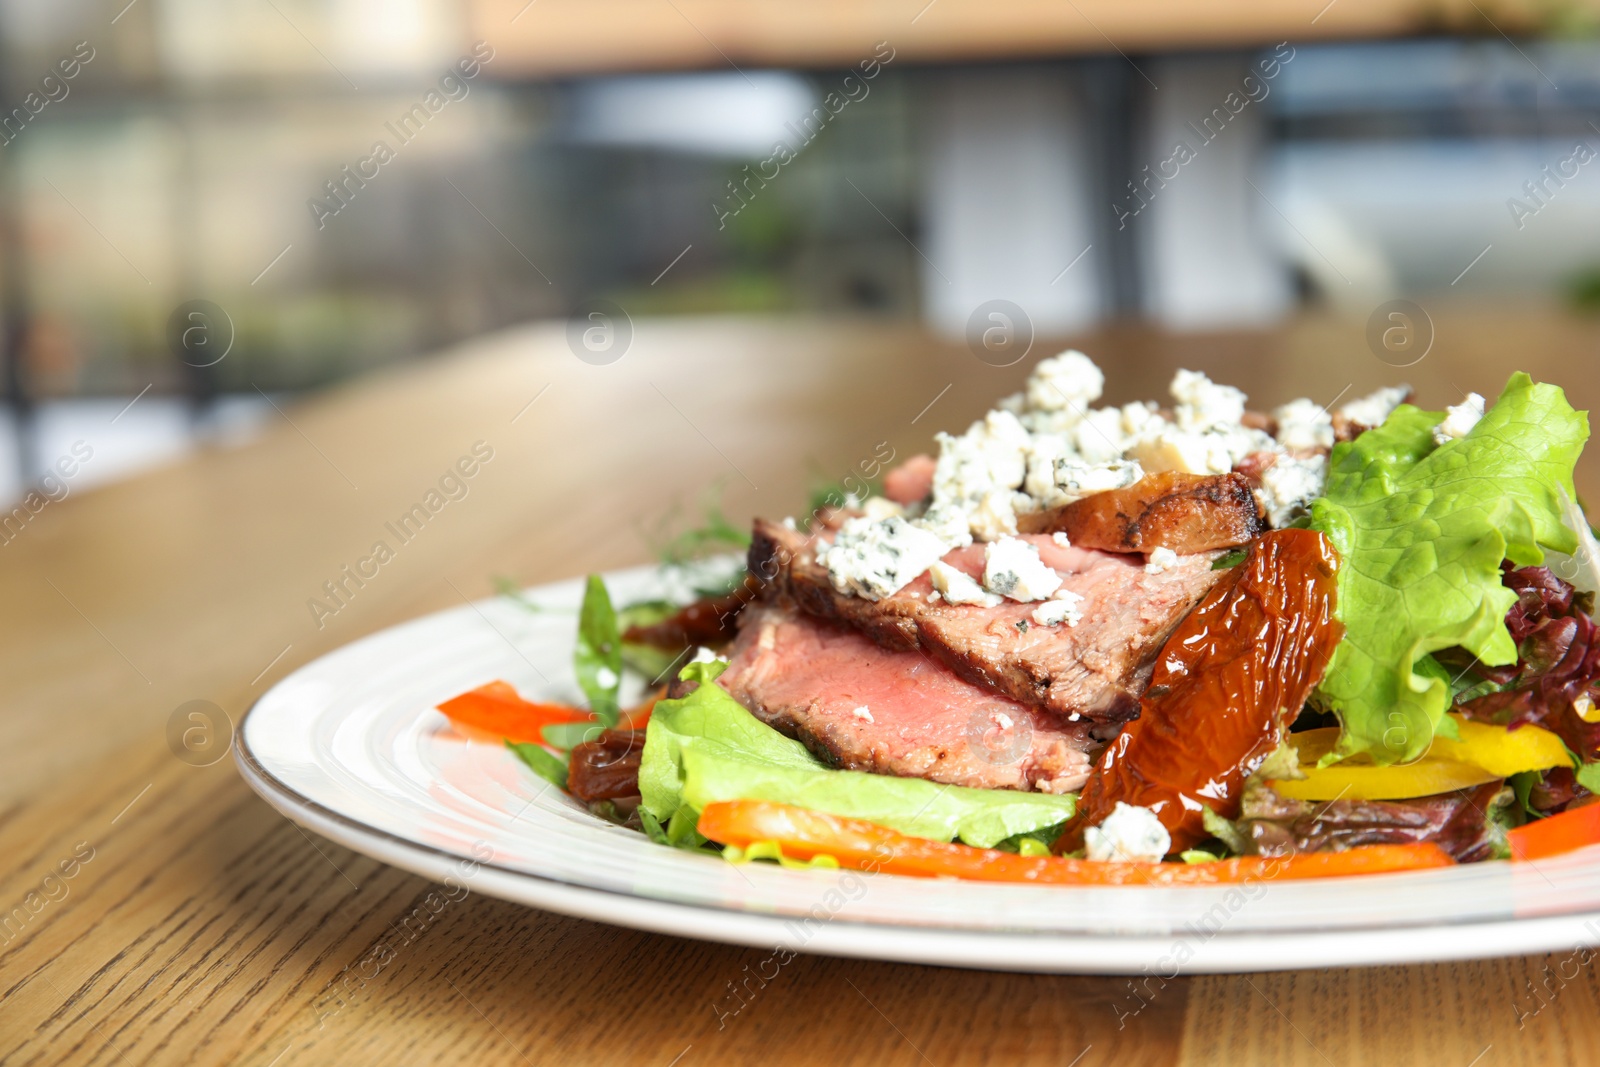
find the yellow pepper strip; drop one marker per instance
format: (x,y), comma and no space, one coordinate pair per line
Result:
(1483,753)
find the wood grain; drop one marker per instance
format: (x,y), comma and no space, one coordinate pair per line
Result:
(205,928)
(561,37)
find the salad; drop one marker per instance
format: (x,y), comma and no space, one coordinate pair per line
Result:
(1163,643)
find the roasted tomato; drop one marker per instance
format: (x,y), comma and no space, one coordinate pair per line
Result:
(1227,682)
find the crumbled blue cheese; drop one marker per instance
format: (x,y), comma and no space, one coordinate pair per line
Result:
(980,471)
(1159,560)
(877,507)
(1304,424)
(1130,834)
(876,559)
(1069,382)
(1074,479)
(1098,436)
(1013,569)
(1061,539)
(1289,486)
(1140,419)
(1065,607)
(1372,409)
(1043,454)
(863,713)
(1215,451)
(1202,403)
(1459,419)
(956,587)
(946,522)
(993,515)
(1046,446)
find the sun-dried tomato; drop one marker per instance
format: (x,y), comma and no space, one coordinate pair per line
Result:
(1228,680)
(606,768)
(704,622)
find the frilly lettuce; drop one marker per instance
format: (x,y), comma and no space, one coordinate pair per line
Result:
(1421,531)
(706,747)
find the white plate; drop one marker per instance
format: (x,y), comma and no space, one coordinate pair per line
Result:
(350,746)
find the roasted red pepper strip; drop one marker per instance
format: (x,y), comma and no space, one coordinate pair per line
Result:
(1572,829)
(1226,682)
(496,709)
(802,834)
(638,716)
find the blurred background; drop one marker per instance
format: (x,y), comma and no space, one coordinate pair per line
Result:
(212,206)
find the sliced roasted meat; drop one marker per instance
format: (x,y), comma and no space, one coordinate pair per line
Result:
(1254,465)
(1185,513)
(1095,669)
(911,481)
(861,707)
(1458,822)
(1230,679)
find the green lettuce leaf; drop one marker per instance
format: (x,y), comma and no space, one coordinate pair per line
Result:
(706,747)
(646,660)
(1421,531)
(545,764)
(597,659)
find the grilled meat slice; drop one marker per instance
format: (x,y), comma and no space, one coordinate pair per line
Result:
(911,481)
(863,708)
(1186,513)
(1095,670)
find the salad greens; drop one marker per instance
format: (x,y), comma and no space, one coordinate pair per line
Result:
(598,656)
(541,761)
(706,747)
(646,660)
(715,535)
(1421,531)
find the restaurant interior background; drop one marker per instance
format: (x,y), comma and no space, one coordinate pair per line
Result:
(223,151)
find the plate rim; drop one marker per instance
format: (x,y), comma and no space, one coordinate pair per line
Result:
(1110,954)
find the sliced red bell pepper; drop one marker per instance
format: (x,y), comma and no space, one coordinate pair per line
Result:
(803,834)
(1570,830)
(496,709)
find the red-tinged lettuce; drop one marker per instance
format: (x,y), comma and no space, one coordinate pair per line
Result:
(1422,531)
(1465,823)
(1557,675)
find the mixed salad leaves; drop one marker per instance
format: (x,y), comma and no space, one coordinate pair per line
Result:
(1435,619)
(1422,530)
(706,748)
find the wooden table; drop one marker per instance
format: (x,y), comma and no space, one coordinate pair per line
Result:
(562,37)
(199,926)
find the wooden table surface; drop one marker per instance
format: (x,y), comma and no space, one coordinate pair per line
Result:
(559,37)
(199,926)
